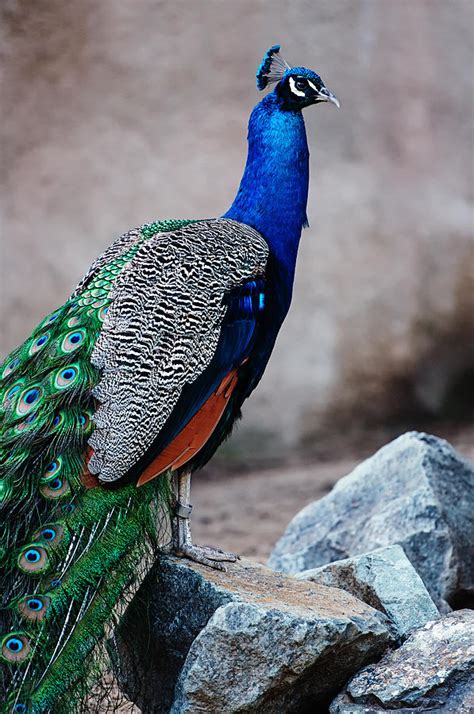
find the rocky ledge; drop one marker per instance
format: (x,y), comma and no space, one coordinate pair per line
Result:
(352,627)
(251,639)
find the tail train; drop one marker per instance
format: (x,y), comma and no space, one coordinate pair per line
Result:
(69,551)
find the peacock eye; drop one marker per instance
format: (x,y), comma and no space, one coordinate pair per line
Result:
(28,399)
(33,559)
(52,318)
(49,533)
(66,377)
(35,604)
(52,532)
(34,607)
(13,364)
(300,84)
(39,343)
(14,644)
(73,340)
(10,395)
(52,468)
(15,647)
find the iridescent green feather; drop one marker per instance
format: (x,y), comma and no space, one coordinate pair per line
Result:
(67,552)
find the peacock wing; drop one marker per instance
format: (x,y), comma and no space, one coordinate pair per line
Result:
(162,333)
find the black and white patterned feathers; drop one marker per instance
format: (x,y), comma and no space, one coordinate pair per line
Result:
(162,330)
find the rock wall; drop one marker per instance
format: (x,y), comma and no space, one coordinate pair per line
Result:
(115,113)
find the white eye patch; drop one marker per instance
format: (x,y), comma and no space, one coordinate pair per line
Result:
(313,86)
(294,90)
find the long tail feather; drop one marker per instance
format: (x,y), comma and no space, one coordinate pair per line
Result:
(68,552)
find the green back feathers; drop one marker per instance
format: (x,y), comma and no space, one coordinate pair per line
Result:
(67,552)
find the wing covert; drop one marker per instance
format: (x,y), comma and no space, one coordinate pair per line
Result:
(162,331)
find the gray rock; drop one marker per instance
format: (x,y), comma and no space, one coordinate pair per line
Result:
(384,579)
(251,640)
(417,492)
(432,671)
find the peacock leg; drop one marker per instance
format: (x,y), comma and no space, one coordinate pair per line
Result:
(182,541)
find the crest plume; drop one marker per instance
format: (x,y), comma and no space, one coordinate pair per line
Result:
(272,68)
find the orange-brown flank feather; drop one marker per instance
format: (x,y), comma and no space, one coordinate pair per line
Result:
(195,434)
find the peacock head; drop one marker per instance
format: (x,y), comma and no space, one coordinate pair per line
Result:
(297,87)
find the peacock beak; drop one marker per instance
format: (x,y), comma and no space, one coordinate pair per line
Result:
(324,95)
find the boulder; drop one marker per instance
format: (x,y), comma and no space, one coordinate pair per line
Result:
(194,639)
(416,492)
(384,579)
(432,671)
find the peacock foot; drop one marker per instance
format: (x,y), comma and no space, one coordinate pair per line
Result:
(182,543)
(206,555)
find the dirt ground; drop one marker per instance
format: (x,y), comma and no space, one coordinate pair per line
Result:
(247,513)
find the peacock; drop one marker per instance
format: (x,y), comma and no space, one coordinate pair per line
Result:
(140,374)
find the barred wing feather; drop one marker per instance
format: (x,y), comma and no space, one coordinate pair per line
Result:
(162,331)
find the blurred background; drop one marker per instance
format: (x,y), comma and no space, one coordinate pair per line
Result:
(115,113)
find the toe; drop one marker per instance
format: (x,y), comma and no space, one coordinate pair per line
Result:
(207,555)
(220,555)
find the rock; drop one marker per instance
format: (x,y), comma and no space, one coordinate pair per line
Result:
(384,579)
(251,640)
(432,671)
(416,492)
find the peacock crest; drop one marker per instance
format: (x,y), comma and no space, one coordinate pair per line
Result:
(272,68)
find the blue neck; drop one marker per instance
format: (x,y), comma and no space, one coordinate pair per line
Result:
(273,192)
